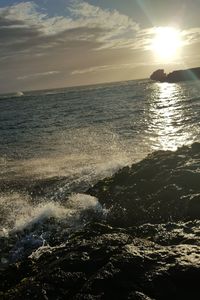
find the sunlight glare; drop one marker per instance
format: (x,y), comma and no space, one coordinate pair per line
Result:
(166,43)
(167,117)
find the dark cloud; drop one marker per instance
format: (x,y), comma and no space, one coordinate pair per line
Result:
(8,23)
(17,37)
(17,34)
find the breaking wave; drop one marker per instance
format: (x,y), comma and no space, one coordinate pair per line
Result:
(27,226)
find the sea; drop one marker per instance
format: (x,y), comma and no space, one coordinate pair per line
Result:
(55,144)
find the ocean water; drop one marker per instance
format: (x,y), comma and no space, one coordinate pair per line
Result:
(55,144)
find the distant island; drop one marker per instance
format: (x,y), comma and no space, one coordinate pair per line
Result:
(176,76)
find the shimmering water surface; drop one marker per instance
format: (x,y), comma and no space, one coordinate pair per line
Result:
(79,135)
(83,129)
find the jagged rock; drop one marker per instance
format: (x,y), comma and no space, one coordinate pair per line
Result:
(163,187)
(158,75)
(101,262)
(146,249)
(176,76)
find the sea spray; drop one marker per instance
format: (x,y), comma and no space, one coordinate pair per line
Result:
(57,144)
(34,225)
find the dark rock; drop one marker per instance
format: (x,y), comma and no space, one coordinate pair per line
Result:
(148,248)
(113,265)
(155,190)
(194,206)
(176,76)
(158,75)
(184,75)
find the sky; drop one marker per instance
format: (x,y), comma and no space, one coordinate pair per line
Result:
(58,43)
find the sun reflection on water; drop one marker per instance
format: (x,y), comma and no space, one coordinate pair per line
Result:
(167,117)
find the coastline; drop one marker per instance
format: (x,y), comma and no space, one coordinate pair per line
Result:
(145,247)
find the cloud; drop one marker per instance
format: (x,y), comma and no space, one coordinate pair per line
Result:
(191,36)
(33,42)
(29,27)
(94,16)
(26,29)
(36,75)
(95,69)
(85,39)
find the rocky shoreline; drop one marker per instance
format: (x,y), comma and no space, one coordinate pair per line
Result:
(147,247)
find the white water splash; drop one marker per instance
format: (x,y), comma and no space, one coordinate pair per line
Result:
(29,227)
(19,213)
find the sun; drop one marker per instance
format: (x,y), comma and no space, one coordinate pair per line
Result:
(166,43)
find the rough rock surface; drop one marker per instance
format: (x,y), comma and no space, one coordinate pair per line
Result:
(101,262)
(163,187)
(147,248)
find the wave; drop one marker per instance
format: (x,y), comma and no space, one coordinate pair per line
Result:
(19,94)
(162,188)
(27,226)
(19,213)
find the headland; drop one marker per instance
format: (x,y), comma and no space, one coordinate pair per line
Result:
(176,76)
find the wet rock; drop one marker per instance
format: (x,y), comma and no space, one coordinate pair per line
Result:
(161,188)
(147,248)
(109,263)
